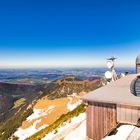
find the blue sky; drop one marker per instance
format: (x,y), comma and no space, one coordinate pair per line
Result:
(55,33)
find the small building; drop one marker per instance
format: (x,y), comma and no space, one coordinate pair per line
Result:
(138,64)
(113,104)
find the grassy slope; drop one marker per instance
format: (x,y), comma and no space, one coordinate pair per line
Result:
(58,122)
(10,126)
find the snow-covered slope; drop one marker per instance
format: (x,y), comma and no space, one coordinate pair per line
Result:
(122,133)
(74,130)
(46,112)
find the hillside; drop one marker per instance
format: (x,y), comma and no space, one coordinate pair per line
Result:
(9,93)
(5,103)
(17,101)
(69,85)
(57,98)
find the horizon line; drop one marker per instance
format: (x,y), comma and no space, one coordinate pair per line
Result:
(67,67)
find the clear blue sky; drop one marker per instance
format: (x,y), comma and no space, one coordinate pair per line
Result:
(45,33)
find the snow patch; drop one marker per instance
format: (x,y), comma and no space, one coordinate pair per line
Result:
(78,134)
(38,113)
(71,106)
(22,134)
(66,128)
(122,134)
